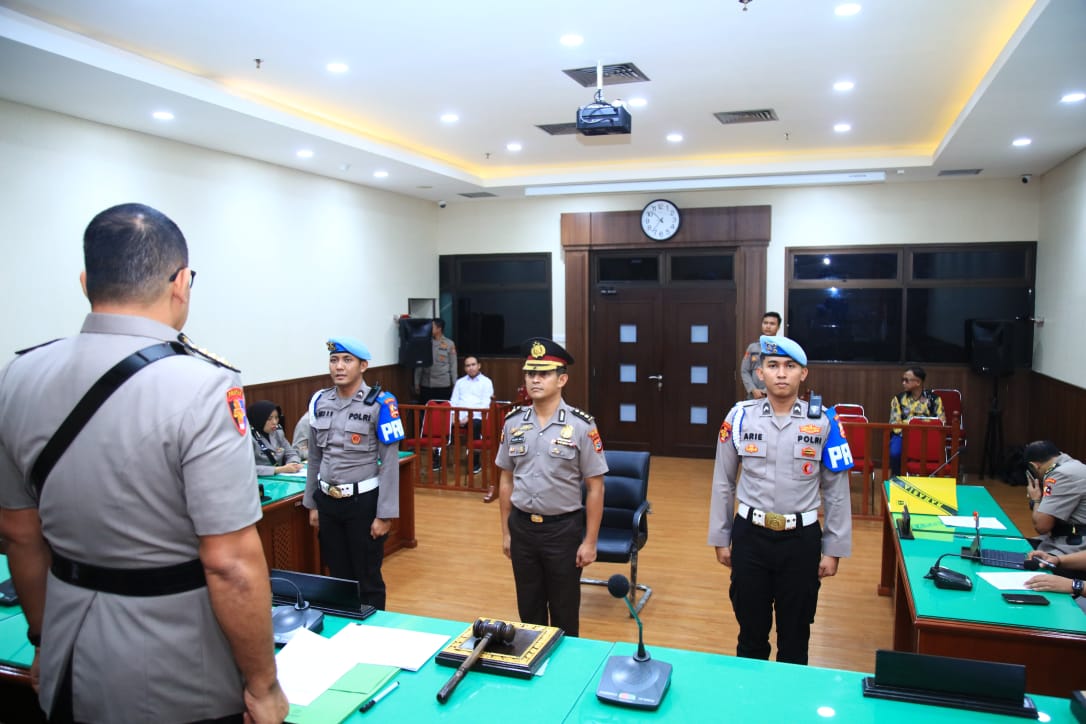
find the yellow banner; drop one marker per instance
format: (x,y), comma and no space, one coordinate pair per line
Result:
(924,496)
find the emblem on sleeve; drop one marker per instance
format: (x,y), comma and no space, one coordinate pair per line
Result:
(725,431)
(594,436)
(235,403)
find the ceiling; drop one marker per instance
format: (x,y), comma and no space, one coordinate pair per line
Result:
(939,86)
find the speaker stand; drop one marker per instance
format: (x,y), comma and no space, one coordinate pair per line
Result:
(993,435)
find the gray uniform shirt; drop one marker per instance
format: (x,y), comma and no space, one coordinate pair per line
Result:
(344,448)
(1064,499)
(301,437)
(782,473)
(166,459)
(442,373)
(752,358)
(282,450)
(550,462)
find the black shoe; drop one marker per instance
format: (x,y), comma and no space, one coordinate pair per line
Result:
(477,469)
(437,462)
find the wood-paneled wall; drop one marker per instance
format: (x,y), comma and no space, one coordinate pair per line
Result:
(1056,414)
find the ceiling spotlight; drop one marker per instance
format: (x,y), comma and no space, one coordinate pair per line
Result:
(337,68)
(162,116)
(380,174)
(1076,97)
(842,127)
(675,137)
(846,9)
(513,146)
(305,153)
(571,40)
(842,86)
(1021,142)
(449,118)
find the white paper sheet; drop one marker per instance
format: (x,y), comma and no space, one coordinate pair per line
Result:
(365,644)
(308,665)
(966,521)
(1010,580)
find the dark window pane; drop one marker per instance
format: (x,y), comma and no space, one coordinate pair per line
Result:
(629,269)
(876,265)
(497,322)
(1008,264)
(862,325)
(937,320)
(703,268)
(498,270)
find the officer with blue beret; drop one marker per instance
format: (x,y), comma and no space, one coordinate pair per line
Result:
(795,459)
(352,489)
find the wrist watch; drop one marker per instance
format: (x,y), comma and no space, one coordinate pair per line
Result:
(1076,588)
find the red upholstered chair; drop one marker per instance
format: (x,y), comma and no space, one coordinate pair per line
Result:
(923,450)
(435,428)
(864,456)
(952,407)
(849,408)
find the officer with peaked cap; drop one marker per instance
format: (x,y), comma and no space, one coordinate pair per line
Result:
(352,489)
(795,460)
(547,451)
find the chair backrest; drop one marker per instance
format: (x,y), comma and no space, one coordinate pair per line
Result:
(849,408)
(625,486)
(437,421)
(857,437)
(952,405)
(925,450)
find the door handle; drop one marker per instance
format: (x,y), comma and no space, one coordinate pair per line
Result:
(659,381)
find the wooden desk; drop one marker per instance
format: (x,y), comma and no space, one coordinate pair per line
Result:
(978,624)
(291,544)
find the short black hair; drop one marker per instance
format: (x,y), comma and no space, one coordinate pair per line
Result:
(1041,450)
(918,371)
(129,252)
(773,314)
(440,324)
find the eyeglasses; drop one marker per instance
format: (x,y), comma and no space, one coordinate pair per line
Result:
(192,275)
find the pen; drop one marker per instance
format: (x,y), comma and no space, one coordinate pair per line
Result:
(379,695)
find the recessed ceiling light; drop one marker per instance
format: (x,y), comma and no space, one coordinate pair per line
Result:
(846,9)
(842,127)
(675,137)
(449,118)
(571,40)
(513,146)
(305,153)
(1076,97)
(842,86)
(1020,142)
(637,102)
(337,67)
(380,174)
(162,116)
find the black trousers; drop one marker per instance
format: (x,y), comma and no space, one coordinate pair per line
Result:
(346,546)
(545,571)
(774,570)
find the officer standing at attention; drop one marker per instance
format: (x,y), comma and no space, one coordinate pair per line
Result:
(794,457)
(132,543)
(546,452)
(352,488)
(771,324)
(436,381)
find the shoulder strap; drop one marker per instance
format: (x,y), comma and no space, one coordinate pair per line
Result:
(95,397)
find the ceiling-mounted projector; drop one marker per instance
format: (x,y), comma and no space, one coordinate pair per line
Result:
(601,118)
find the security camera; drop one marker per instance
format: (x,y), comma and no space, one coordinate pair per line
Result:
(443,204)
(1027,177)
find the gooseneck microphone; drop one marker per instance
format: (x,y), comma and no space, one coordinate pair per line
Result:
(287,619)
(635,681)
(484,631)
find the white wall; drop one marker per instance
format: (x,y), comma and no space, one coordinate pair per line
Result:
(285,259)
(1060,345)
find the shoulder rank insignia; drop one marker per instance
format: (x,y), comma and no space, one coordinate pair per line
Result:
(583,415)
(205,354)
(515,410)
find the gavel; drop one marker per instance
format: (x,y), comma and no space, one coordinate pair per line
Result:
(484,631)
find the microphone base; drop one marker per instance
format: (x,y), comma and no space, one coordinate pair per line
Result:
(287,620)
(635,684)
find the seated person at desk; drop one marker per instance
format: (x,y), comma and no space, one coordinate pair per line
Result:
(1071,569)
(273,453)
(913,401)
(1057,497)
(301,436)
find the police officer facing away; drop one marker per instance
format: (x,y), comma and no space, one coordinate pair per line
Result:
(794,459)
(352,487)
(143,582)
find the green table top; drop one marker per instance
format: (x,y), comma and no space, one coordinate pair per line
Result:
(278,487)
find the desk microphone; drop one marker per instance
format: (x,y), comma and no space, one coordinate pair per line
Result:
(946,578)
(972,551)
(636,681)
(287,619)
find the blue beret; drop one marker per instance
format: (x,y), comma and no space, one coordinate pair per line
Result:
(777,346)
(350,345)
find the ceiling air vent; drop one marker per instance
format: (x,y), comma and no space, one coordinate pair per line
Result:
(960,172)
(478,195)
(558,129)
(759,116)
(612,74)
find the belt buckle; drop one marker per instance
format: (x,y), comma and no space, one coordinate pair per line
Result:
(536,518)
(774,521)
(334,492)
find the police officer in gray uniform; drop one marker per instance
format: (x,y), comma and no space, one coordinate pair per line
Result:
(352,487)
(546,452)
(755,387)
(795,458)
(144,583)
(436,381)
(274,455)
(1057,497)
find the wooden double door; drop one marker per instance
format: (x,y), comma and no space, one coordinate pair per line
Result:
(663,366)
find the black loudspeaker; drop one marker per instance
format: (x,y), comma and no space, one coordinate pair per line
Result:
(416,342)
(991,346)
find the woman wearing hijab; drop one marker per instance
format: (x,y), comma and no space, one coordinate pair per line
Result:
(273,453)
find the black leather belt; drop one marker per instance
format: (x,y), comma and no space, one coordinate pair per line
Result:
(162,581)
(537,518)
(1062,529)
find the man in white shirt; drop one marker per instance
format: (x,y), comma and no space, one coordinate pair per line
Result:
(473,390)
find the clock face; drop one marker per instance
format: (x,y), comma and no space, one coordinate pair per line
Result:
(660,220)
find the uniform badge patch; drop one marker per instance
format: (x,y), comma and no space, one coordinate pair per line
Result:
(356,438)
(809,452)
(567,432)
(594,436)
(808,468)
(752,448)
(725,431)
(235,403)
(393,409)
(810,429)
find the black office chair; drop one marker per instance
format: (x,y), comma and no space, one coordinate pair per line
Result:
(625,527)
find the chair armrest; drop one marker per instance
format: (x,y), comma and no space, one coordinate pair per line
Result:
(638,518)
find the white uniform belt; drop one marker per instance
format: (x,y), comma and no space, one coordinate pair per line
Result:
(777,521)
(346,490)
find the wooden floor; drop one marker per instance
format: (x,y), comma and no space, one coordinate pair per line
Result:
(458,572)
